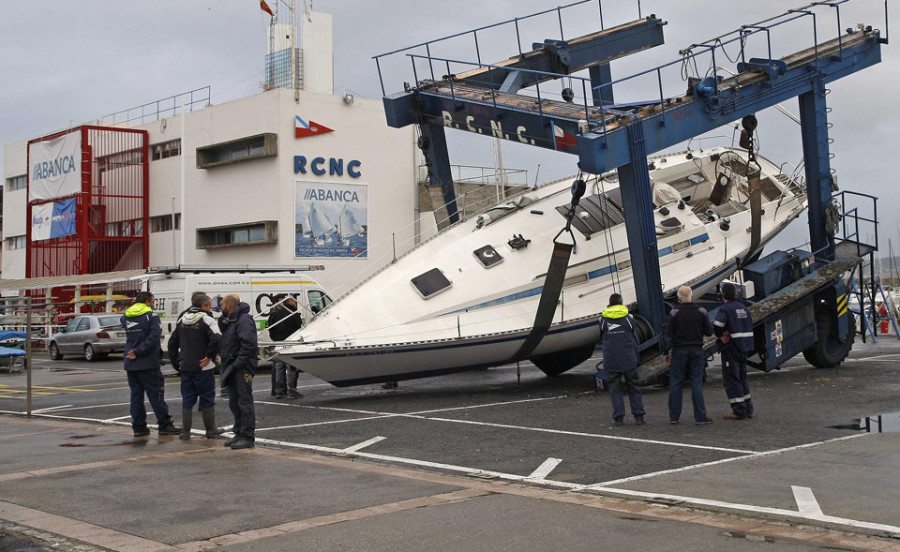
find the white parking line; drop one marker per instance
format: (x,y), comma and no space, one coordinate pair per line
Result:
(313,424)
(751,508)
(723,461)
(582,434)
(806,501)
(364,444)
(873,357)
(51,409)
(544,469)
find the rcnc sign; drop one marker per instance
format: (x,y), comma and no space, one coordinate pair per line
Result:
(332,166)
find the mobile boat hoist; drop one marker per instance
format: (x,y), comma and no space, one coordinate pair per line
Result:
(799,299)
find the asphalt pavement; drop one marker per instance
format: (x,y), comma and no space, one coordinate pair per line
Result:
(499,459)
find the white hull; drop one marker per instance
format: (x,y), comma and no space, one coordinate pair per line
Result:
(385,330)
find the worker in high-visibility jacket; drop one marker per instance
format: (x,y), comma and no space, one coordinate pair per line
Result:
(734,328)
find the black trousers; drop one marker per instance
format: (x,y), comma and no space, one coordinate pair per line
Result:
(240,401)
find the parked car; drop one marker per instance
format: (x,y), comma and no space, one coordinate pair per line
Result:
(90,335)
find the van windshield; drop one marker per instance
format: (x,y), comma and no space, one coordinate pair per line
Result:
(318,300)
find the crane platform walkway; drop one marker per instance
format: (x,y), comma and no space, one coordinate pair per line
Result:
(600,119)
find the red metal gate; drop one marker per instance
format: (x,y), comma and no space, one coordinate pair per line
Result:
(111,211)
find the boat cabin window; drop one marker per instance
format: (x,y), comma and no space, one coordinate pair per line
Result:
(431,283)
(488,256)
(681,245)
(593,214)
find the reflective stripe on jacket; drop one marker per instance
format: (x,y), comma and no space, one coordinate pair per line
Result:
(734,318)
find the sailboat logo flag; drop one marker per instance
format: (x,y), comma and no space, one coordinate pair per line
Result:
(302,129)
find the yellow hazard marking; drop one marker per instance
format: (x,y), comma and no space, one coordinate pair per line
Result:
(21,391)
(61,388)
(843,312)
(842,302)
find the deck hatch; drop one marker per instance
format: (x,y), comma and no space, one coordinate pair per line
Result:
(488,256)
(594,213)
(430,283)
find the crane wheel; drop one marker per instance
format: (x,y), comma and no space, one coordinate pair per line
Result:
(829,351)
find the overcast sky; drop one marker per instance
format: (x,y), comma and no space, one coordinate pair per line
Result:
(64,63)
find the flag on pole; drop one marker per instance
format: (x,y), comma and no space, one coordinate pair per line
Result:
(265,7)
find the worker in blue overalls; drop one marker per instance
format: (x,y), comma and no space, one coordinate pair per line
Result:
(620,359)
(734,328)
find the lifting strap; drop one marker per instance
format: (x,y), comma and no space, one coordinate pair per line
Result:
(553,281)
(749,123)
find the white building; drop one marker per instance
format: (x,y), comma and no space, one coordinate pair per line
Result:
(284,177)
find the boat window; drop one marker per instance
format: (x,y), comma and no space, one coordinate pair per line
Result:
(623,265)
(431,283)
(488,256)
(593,214)
(572,280)
(681,245)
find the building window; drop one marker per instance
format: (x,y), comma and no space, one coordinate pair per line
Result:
(254,233)
(17,183)
(118,160)
(165,150)
(15,242)
(125,228)
(238,151)
(163,223)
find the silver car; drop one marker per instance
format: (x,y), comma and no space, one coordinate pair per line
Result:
(90,335)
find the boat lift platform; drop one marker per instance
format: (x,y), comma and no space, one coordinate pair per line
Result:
(488,99)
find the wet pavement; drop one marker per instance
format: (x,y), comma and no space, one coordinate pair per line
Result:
(472,461)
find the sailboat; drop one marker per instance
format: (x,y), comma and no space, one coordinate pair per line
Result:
(347,226)
(467,298)
(322,228)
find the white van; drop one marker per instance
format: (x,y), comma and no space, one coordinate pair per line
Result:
(172,290)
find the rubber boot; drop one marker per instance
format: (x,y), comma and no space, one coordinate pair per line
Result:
(186,422)
(209,422)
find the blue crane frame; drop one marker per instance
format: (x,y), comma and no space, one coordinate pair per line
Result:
(623,136)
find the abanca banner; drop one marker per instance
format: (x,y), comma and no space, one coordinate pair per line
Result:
(331,220)
(54,167)
(53,220)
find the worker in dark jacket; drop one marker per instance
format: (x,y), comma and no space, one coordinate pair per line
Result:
(143,358)
(283,321)
(239,355)
(620,359)
(688,324)
(192,349)
(734,328)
